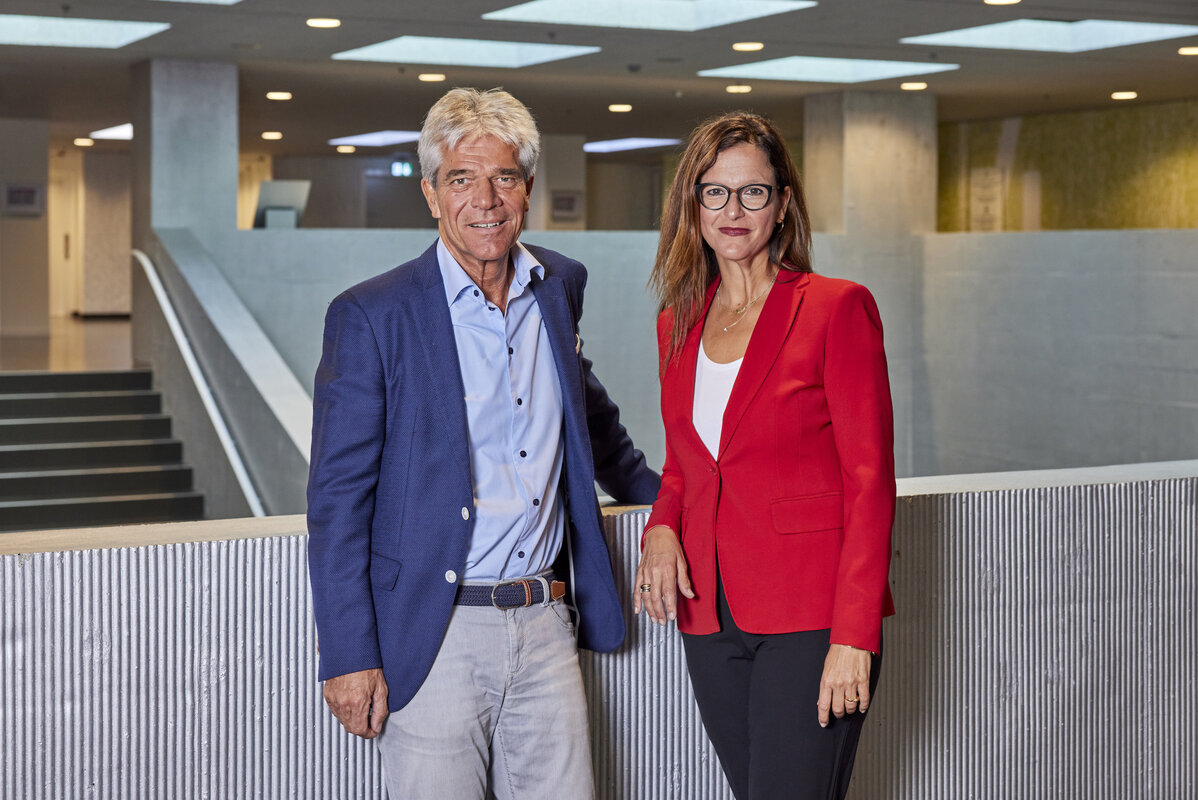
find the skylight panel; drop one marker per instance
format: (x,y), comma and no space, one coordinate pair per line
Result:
(1055,36)
(377,139)
(463,52)
(632,143)
(115,132)
(811,69)
(107,34)
(663,15)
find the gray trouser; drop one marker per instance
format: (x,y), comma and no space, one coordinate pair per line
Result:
(503,706)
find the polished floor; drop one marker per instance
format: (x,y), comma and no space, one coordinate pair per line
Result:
(73,345)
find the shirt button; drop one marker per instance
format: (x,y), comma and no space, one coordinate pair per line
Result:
(536,502)
(523,454)
(520,554)
(511,350)
(476,292)
(451,576)
(519,401)
(465,513)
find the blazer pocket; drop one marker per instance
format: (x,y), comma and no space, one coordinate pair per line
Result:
(809,513)
(384,572)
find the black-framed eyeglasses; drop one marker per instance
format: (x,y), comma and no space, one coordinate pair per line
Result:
(752,196)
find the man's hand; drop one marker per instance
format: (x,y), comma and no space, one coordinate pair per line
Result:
(359,701)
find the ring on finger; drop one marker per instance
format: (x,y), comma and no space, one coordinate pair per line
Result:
(646,587)
(851,699)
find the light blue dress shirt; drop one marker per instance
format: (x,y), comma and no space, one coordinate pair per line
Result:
(514,413)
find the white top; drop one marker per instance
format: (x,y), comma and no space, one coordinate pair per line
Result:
(713,387)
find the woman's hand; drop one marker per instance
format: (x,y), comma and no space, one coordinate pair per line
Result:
(663,567)
(844,686)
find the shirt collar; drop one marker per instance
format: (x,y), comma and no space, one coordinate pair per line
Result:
(457,282)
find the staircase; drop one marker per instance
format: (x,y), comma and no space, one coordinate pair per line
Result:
(79,449)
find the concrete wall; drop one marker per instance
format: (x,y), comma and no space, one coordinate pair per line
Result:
(1011,351)
(24,240)
(1045,627)
(155,346)
(1060,349)
(266,410)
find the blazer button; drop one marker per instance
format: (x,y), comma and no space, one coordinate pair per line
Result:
(465,513)
(451,576)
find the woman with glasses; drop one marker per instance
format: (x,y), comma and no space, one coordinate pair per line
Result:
(769,542)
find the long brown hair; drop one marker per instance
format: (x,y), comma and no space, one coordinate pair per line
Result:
(685,264)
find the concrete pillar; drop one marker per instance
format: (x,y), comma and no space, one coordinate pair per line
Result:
(185,146)
(24,228)
(561,176)
(870,162)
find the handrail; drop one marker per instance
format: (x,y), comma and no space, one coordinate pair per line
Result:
(201,384)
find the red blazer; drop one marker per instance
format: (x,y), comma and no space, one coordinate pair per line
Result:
(799,505)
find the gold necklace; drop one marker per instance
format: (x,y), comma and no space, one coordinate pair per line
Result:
(740,312)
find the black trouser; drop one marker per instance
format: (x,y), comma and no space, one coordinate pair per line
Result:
(757,695)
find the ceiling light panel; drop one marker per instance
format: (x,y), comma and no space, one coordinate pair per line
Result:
(377,138)
(124,132)
(1054,36)
(107,34)
(463,52)
(208,2)
(809,69)
(655,15)
(619,145)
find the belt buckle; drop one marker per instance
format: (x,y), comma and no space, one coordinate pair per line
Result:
(527,584)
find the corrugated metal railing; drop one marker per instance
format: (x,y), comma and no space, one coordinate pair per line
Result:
(1043,648)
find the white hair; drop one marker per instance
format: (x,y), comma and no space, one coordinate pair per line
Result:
(463,113)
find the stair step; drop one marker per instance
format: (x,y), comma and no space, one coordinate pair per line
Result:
(94,482)
(97,381)
(81,455)
(83,512)
(84,429)
(79,404)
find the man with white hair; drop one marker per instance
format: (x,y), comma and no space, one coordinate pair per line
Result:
(457,434)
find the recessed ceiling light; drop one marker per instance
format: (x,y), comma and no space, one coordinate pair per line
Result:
(83,141)
(619,108)
(278,95)
(272,136)
(346,148)
(377,138)
(463,52)
(1053,36)
(1124,95)
(748,47)
(209,2)
(619,145)
(324,22)
(121,132)
(1002,2)
(658,15)
(109,34)
(826,70)
(1187,51)
(431,77)
(913,86)
(738,88)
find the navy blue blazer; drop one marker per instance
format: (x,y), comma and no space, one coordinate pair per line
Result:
(390,490)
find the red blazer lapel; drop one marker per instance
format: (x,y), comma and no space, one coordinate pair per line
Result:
(773,326)
(679,381)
